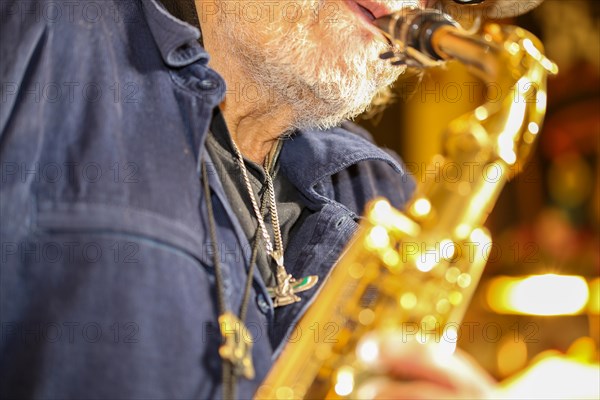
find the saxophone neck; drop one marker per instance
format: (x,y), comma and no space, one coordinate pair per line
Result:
(508,59)
(501,132)
(425,38)
(498,54)
(511,62)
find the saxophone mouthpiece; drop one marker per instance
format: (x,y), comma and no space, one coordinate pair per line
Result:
(413,28)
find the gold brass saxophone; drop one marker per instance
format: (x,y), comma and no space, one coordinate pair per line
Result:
(415,271)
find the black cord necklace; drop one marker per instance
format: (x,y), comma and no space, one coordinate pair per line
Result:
(236,349)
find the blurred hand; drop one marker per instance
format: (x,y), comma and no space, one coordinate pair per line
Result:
(411,370)
(553,376)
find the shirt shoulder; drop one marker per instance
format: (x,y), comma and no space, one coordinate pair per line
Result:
(57,45)
(345,166)
(363,182)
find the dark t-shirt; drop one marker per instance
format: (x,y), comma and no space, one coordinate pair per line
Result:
(289,205)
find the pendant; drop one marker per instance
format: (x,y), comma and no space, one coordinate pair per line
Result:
(287,286)
(308,282)
(237,346)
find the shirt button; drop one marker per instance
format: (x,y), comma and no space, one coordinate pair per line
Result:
(208,84)
(262,304)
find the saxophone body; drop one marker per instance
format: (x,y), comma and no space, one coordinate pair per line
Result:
(414,272)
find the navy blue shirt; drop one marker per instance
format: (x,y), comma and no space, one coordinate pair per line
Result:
(107,285)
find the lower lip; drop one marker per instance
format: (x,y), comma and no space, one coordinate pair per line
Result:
(364,16)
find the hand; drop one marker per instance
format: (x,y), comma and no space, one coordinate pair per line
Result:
(553,375)
(411,370)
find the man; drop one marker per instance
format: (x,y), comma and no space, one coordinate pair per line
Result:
(148,190)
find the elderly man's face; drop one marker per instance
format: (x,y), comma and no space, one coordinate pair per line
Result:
(319,56)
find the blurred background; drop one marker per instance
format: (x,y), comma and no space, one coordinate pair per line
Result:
(546,222)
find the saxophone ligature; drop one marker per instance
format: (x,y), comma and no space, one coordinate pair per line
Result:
(415,271)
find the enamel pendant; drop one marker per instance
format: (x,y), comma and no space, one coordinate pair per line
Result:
(287,286)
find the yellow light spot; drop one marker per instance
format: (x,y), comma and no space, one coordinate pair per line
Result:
(408,301)
(508,155)
(382,209)
(449,340)
(513,48)
(368,351)
(542,101)
(422,207)
(447,249)
(512,356)
(442,306)
(464,280)
(551,67)
(426,262)
(455,298)
(401,223)
(284,393)
(462,231)
(356,270)
(428,323)
(538,295)
(391,258)
(344,381)
(378,238)
(531,49)
(451,334)
(534,128)
(366,316)
(481,113)
(583,349)
(514,123)
(506,147)
(480,237)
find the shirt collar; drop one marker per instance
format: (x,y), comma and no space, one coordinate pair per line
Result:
(308,157)
(176,39)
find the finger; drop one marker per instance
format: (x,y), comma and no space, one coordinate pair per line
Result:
(448,370)
(385,389)
(410,360)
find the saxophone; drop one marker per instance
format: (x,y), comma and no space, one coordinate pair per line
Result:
(414,272)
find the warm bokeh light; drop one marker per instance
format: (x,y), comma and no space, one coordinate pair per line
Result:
(378,238)
(594,302)
(367,351)
(344,381)
(512,356)
(449,340)
(382,214)
(548,294)
(554,377)
(426,261)
(422,207)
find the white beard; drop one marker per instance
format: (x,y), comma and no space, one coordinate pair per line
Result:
(322,85)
